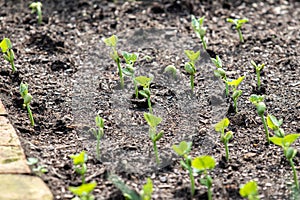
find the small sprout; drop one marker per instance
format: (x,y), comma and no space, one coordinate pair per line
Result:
(236,93)
(27,99)
(79,161)
(238,23)
(225,137)
(112,42)
(249,190)
(37,169)
(8,53)
(98,133)
(200,30)
(130,59)
(37,7)
(190,66)
(130,194)
(183,149)
(257,100)
(288,151)
(153,121)
(202,164)
(172,70)
(258,69)
(220,72)
(145,83)
(274,125)
(84,191)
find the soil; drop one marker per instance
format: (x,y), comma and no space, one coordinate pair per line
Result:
(72,78)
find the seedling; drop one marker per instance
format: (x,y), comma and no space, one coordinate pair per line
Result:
(79,161)
(84,191)
(202,164)
(183,150)
(153,121)
(258,69)
(249,190)
(98,133)
(288,151)
(37,169)
(220,72)
(200,30)
(145,83)
(235,92)
(37,7)
(257,100)
(172,70)
(130,194)
(190,66)
(112,42)
(238,23)
(130,59)
(220,127)
(8,53)
(274,125)
(27,99)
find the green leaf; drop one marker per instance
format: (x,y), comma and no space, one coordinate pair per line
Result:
(249,189)
(23,89)
(228,136)
(128,71)
(223,124)
(290,139)
(183,148)
(261,108)
(230,20)
(152,120)
(80,158)
(147,190)
(278,141)
(236,94)
(126,191)
(236,82)
(190,68)
(207,181)
(220,73)
(273,123)
(255,99)
(130,58)
(217,61)
(144,93)
(193,56)
(111,41)
(290,153)
(32,161)
(27,98)
(203,163)
(143,81)
(5,45)
(99,121)
(158,136)
(83,189)
(171,69)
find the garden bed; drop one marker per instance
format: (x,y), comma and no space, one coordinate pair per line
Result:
(72,78)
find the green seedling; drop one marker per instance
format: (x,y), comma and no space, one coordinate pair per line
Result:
(200,30)
(130,194)
(225,137)
(249,190)
(130,59)
(202,164)
(8,53)
(112,42)
(98,133)
(257,100)
(37,7)
(235,92)
(288,151)
(274,125)
(153,121)
(220,72)
(84,191)
(79,161)
(190,66)
(183,150)
(258,69)
(37,169)
(172,70)
(27,99)
(145,83)
(238,23)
